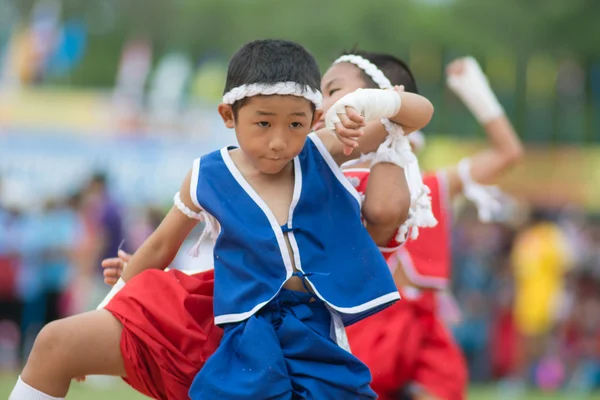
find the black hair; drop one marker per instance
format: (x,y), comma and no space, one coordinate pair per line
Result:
(99,178)
(396,70)
(540,215)
(271,61)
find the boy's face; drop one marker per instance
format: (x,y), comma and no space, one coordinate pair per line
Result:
(338,81)
(271,130)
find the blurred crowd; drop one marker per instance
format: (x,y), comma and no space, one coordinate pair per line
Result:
(528,294)
(50,259)
(530,299)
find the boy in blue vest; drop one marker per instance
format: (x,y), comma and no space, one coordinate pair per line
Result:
(286,279)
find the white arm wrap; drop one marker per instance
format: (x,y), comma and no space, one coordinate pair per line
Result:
(185,209)
(211,227)
(372,104)
(396,150)
(489,200)
(473,88)
(115,289)
(211,230)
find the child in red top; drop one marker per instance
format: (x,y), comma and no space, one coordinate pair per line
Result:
(407,347)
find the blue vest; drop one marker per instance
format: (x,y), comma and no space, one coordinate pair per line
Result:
(331,247)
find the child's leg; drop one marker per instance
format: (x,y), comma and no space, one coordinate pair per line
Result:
(85,344)
(441,371)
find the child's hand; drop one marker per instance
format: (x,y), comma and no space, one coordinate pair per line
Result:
(368,104)
(399,89)
(467,80)
(113,267)
(456,67)
(349,128)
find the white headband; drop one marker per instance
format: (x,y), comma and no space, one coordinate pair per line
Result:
(369,68)
(268,89)
(417,139)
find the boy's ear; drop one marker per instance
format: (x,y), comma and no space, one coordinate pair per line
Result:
(226,112)
(317,116)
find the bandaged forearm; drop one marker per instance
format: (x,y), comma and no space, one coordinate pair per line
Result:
(473,88)
(372,104)
(115,289)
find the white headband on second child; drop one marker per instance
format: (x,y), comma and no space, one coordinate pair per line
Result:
(417,139)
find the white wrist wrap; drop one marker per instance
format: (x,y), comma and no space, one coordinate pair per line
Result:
(473,88)
(372,104)
(489,200)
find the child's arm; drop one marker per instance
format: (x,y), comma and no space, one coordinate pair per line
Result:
(159,250)
(386,204)
(467,80)
(412,112)
(415,113)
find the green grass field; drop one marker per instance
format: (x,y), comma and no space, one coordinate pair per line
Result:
(120,391)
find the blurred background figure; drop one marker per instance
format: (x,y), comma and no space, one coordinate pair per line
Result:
(97,95)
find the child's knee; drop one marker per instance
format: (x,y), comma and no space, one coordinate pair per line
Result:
(51,343)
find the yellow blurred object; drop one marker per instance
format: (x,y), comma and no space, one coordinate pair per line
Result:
(209,81)
(22,62)
(540,258)
(53,110)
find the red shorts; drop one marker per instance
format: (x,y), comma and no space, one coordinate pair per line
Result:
(406,344)
(168,330)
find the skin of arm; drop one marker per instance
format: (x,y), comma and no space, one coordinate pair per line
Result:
(160,249)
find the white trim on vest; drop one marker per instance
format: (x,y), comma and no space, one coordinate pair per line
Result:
(291,237)
(230,318)
(356,170)
(386,298)
(344,180)
(297,190)
(283,250)
(194,183)
(334,167)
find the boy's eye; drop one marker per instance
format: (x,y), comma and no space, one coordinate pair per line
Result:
(296,125)
(263,124)
(332,91)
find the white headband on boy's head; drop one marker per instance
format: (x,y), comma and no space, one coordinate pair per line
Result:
(269,89)
(417,139)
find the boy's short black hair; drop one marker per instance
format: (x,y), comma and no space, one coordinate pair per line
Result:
(396,70)
(271,61)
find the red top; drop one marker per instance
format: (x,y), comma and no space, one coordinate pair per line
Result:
(359,178)
(427,260)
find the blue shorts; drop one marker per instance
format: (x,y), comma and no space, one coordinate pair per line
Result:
(284,351)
